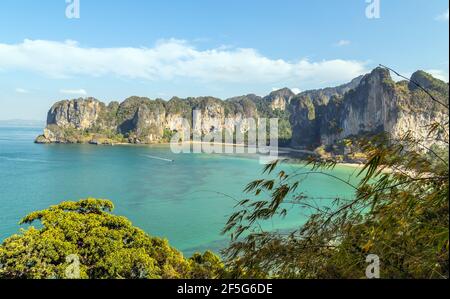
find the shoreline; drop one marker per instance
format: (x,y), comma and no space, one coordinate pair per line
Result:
(283,150)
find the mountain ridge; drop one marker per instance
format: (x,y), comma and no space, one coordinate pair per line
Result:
(369,103)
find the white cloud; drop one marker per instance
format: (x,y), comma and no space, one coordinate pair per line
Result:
(81,92)
(342,43)
(443,16)
(171,59)
(21,90)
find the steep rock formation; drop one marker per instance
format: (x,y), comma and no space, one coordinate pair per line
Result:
(371,107)
(78,114)
(368,104)
(379,104)
(148,123)
(307,109)
(279,99)
(141,120)
(321,97)
(303,119)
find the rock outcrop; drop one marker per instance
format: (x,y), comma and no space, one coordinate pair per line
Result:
(368,104)
(79,114)
(141,120)
(279,99)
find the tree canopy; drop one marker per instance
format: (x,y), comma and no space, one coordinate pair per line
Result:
(84,240)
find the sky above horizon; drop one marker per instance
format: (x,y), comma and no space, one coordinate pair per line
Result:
(160,49)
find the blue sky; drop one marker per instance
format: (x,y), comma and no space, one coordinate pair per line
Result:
(156,48)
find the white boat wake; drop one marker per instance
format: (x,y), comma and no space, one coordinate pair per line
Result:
(158,158)
(23,160)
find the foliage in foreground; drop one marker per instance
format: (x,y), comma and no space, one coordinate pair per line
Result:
(399,212)
(101,245)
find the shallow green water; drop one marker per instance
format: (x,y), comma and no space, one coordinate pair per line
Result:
(180,201)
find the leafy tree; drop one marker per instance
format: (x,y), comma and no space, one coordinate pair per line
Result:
(207,265)
(105,245)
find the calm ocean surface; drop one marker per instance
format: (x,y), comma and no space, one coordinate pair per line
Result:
(180,201)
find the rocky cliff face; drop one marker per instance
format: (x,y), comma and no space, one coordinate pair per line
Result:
(321,97)
(379,104)
(141,120)
(368,104)
(371,107)
(78,114)
(279,99)
(308,108)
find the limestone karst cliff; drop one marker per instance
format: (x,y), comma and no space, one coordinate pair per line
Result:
(380,104)
(368,104)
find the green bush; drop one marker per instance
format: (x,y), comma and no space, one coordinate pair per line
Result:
(105,245)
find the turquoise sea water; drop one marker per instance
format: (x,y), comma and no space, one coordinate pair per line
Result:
(182,201)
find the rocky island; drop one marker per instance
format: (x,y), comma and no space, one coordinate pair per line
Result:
(308,120)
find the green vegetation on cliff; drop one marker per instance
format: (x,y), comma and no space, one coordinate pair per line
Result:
(368,104)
